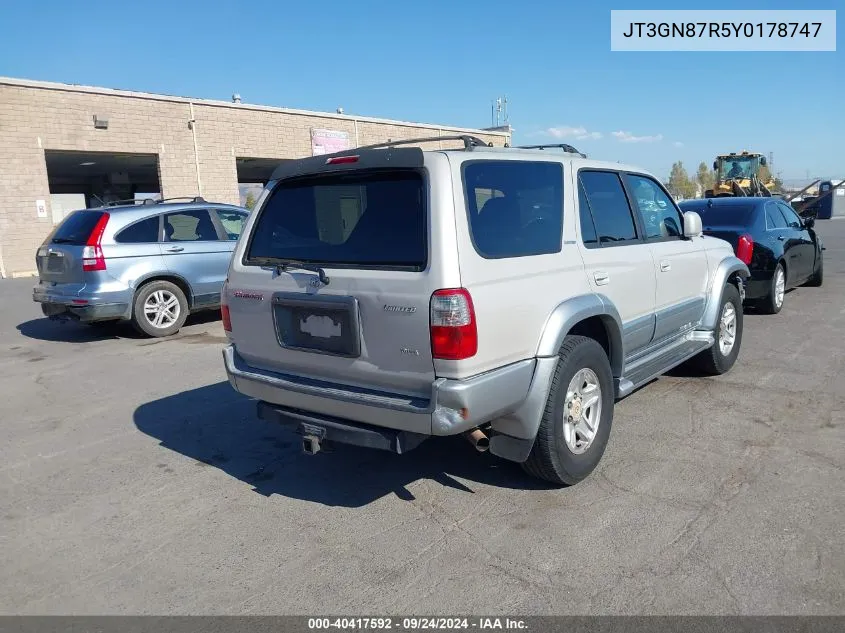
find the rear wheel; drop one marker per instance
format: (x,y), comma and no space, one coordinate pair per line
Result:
(576,422)
(719,358)
(773,301)
(160,309)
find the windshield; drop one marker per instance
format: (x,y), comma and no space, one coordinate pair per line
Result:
(737,167)
(372,218)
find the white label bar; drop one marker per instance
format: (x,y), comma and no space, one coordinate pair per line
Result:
(716,30)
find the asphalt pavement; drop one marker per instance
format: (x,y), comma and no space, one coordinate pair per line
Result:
(134,480)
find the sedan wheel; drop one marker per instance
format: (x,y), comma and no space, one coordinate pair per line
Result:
(773,301)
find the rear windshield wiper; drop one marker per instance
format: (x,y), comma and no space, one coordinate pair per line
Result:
(284,265)
(63,240)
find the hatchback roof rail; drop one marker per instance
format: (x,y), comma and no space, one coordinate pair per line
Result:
(198,199)
(115,203)
(469,141)
(564,146)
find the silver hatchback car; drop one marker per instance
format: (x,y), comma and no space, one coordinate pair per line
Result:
(151,264)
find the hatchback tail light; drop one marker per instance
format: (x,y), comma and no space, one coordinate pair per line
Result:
(745,248)
(92,252)
(454,335)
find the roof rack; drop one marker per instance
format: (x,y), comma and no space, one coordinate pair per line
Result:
(564,146)
(469,142)
(197,199)
(116,203)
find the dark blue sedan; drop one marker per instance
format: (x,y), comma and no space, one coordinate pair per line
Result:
(780,248)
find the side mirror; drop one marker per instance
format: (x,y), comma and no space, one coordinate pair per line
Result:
(692,224)
(809,222)
(715,166)
(763,161)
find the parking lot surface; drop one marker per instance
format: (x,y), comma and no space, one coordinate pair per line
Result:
(134,480)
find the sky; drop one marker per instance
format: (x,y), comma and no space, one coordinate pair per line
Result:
(444,62)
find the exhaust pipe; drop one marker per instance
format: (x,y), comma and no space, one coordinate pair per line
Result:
(478,439)
(310,445)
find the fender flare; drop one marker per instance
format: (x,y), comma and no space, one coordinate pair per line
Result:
(568,313)
(727,269)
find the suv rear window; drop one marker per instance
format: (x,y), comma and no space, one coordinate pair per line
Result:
(76,227)
(515,207)
(354,219)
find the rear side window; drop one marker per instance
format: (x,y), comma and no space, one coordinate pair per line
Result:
(76,227)
(355,219)
(588,228)
(724,214)
(774,217)
(515,207)
(609,205)
(189,226)
(145,231)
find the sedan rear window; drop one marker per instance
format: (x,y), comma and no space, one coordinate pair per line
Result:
(76,227)
(355,219)
(723,214)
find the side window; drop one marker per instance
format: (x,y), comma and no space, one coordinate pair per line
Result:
(588,228)
(515,207)
(189,226)
(233,223)
(792,218)
(774,218)
(609,205)
(659,216)
(143,232)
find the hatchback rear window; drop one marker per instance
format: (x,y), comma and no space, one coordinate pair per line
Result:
(723,214)
(76,227)
(515,207)
(355,219)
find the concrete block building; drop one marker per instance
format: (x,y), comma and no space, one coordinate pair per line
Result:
(66,147)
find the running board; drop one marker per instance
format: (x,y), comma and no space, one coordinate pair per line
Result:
(662,360)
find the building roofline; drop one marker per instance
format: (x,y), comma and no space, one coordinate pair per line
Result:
(50,85)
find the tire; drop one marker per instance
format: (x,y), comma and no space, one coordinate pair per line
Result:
(172,318)
(818,277)
(773,301)
(714,361)
(552,457)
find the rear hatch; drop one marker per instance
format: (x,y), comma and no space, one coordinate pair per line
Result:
(369,229)
(71,247)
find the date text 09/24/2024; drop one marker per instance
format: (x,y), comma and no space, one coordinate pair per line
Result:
(416,623)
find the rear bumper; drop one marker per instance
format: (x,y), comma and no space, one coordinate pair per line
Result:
(84,304)
(453,406)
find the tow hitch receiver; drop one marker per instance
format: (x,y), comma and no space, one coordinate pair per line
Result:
(312,436)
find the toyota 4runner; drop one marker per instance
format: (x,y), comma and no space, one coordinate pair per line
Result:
(386,294)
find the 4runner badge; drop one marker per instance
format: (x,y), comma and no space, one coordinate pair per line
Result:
(405,309)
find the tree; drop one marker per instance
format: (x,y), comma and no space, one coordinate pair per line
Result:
(680,185)
(250,201)
(705,176)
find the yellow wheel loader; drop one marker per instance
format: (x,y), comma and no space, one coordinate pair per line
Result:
(738,174)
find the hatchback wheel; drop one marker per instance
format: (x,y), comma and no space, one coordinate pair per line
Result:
(160,309)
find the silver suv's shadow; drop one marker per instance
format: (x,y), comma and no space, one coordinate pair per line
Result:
(218,427)
(68,331)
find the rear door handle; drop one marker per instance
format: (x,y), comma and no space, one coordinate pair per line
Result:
(665,266)
(601,278)
(175,249)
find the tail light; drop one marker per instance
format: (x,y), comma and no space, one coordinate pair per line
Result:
(92,252)
(454,335)
(224,308)
(745,248)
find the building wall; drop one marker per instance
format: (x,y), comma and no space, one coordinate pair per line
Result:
(36,116)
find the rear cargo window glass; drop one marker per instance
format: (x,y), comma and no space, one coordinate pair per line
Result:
(364,218)
(515,207)
(145,231)
(76,227)
(724,214)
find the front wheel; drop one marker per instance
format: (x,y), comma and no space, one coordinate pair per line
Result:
(160,309)
(719,358)
(576,422)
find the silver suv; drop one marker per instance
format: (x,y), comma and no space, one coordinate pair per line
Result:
(151,263)
(387,294)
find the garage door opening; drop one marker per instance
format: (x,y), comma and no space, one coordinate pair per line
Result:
(80,180)
(253,174)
